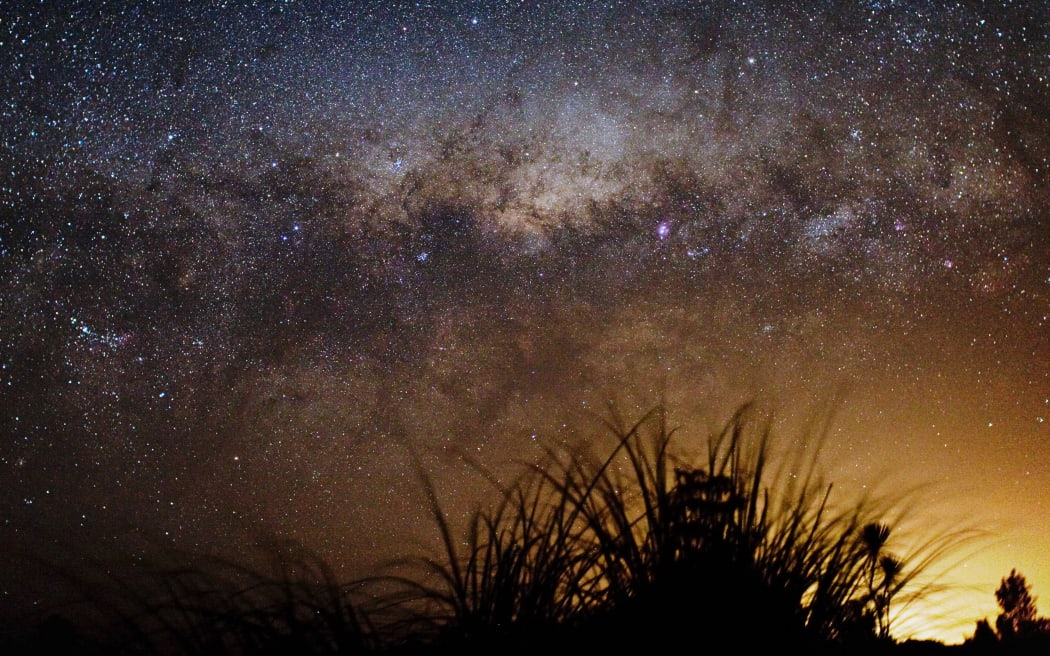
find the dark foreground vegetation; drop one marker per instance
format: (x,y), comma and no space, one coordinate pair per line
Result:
(624,548)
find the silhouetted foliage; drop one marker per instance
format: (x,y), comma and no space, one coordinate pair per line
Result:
(1018,628)
(635,547)
(883,570)
(621,549)
(1019,616)
(984,635)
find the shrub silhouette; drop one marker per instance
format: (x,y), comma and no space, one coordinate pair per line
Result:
(1019,616)
(1018,627)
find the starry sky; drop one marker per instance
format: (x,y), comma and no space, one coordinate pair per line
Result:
(255,255)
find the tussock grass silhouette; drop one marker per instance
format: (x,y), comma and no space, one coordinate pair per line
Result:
(618,545)
(630,545)
(186,604)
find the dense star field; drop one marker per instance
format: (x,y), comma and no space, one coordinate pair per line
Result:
(252,257)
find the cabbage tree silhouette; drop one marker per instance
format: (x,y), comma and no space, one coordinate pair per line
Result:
(883,570)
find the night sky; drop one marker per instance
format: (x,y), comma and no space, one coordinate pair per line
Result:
(254,256)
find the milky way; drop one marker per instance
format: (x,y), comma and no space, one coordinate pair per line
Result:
(251,258)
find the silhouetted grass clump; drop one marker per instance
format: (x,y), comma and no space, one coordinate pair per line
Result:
(185,605)
(630,544)
(634,546)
